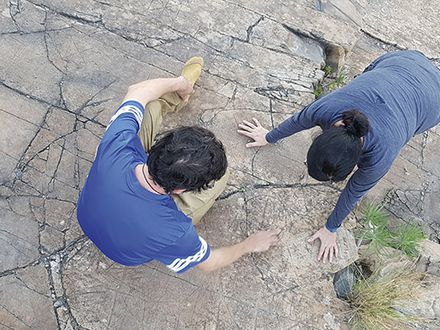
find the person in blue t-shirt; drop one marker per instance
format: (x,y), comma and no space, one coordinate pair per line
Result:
(142,197)
(365,124)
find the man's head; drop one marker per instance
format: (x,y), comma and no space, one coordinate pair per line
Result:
(333,154)
(187,158)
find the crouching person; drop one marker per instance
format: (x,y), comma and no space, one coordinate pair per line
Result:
(143,197)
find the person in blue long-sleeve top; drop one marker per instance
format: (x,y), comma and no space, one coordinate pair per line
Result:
(365,124)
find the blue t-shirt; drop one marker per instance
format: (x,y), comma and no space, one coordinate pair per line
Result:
(128,223)
(400,95)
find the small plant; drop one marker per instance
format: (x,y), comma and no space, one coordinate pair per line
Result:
(318,91)
(340,80)
(375,215)
(329,83)
(407,239)
(328,70)
(376,231)
(375,300)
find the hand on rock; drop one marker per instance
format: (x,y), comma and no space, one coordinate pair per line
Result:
(261,240)
(329,247)
(254,131)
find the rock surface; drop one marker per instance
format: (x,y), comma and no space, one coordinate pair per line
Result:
(65,66)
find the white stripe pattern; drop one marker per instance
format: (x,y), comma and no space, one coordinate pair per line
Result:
(179,264)
(138,115)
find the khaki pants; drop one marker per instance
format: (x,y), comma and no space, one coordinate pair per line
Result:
(193,204)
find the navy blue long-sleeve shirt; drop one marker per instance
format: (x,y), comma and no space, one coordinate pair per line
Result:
(400,95)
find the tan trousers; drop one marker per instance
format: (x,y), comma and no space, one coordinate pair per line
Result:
(193,204)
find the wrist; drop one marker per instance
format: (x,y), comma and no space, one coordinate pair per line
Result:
(247,246)
(265,138)
(268,138)
(179,83)
(330,229)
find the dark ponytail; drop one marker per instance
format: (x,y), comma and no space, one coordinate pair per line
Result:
(334,153)
(356,123)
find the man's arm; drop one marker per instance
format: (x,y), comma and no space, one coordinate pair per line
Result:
(149,90)
(221,257)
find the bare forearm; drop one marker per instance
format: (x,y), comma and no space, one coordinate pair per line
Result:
(225,256)
(150,90)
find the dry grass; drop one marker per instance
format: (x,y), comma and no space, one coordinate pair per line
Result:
(376,300)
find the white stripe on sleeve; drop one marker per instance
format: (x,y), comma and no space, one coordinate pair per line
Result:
(128,109)
(179,264)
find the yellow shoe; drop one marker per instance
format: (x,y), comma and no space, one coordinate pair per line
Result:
(193,69)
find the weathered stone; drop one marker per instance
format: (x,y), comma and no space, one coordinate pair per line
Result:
(26,303)
(429,259)
(343,9)
(343,282)
(51,239)
(59,214)
(18,240)
(426,307)
(33,65)
(396,22)
(17,112)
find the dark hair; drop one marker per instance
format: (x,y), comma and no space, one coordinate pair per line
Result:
(334,153)
(187,158)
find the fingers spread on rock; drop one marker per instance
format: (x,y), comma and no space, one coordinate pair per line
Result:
(321,252)
(246,133)
(256,121)
(252,145)
(326,253)
(249,124)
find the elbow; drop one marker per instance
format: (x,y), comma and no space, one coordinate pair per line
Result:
(132,88)
(206,268)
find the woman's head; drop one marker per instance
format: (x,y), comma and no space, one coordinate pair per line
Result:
(334,153)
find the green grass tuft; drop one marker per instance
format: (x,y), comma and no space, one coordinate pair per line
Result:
(328,70)
(318,91)
(375,230)
(329,83)
(407,239)
(375,215)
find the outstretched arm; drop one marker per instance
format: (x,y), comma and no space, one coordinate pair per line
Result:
(149,90)
(221,257)
(312,115)
(359,184)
